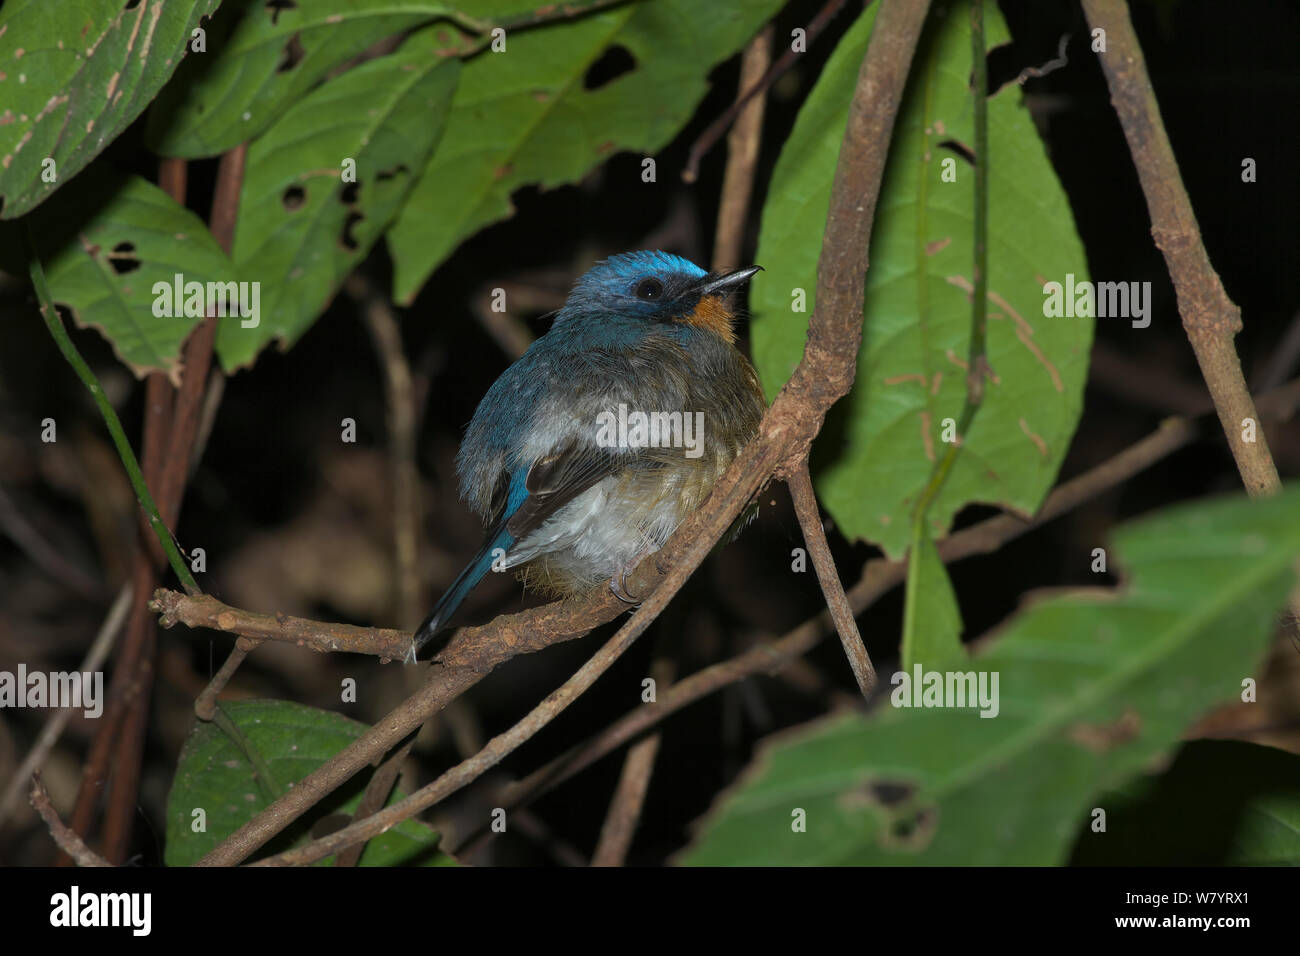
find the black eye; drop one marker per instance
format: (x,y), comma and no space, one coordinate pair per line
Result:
(649,289)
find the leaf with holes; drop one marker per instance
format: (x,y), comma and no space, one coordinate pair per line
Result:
(1092,688)
(911,370)
(223,780)
(265,55)
(303,225)
(1241,802)
(525,116)
(73,76)
(110,243)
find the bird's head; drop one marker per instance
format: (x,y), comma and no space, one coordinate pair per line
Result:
(643,290)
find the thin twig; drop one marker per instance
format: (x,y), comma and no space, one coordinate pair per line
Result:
(206,611)
(713,132)
(44,554)
(205,705)
(625,807)
(1210,319)
(54,727)
(378,788)
(805,506)
(629,796)
(404,476)
(742,157)
(65,838)
(506,328)
(1282,359)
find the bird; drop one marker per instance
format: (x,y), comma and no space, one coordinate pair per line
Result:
(588,452)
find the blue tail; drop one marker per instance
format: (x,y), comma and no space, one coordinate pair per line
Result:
(451,599)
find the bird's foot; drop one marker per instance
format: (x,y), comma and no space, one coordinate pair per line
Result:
(618,584)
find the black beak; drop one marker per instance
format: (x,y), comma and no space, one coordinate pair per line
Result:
(716,285)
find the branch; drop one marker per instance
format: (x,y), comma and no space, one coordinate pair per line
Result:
(805,506)
(65,838)
(742,158)
(206,611)
(629,796)
(625,809)
(205,705)
(713,132)
(1210,318)
(386,335)
(50,733)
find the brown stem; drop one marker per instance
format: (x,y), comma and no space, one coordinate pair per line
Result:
(742,157)
(168,476)
(205,705)
(713,132)
(50,733)
(625,808)
(206,611)
(629,796)
(404,476)
(805,507)
(1210,318)
(64,836)
(378,788)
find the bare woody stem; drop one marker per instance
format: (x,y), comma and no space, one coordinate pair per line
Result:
(1210,318)
(805,506)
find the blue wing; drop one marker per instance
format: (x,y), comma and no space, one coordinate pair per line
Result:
(533,495)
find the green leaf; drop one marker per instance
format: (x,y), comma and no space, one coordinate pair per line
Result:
(105,241)
(1092,689)
(524,116)
(1221,803)
(73,76)
(932,622)
(262,58)
(231,780)
(917,310)
(296,215)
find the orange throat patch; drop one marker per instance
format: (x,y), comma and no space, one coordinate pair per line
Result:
(712,313)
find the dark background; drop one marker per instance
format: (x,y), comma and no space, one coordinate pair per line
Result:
(293,520)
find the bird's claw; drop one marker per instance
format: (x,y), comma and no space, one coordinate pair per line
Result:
(618,584)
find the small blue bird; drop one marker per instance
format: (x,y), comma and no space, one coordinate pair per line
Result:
(589,451)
